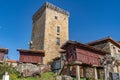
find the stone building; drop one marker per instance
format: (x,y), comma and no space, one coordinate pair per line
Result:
(111,46)
(50,30)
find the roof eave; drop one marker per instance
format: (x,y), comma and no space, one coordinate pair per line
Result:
(4,50)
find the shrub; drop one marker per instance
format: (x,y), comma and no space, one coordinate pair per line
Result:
(11,71)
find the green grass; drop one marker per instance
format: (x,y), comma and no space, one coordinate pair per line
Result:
(47,76)
(29,78)
(44,76)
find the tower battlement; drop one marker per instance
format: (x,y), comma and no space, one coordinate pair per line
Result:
(50,6)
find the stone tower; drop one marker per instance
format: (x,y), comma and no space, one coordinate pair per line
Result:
(50,30)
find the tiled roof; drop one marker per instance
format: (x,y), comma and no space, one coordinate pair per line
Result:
(31,51)
(4,50)
(83,45)
(12,61)
(107,39)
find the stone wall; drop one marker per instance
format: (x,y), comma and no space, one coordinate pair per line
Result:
(50,46)
(28,69)
(114,49)
(114,52)
(38,32)
(103,46)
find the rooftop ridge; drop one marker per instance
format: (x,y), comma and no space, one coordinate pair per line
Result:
(51,6)
(105,39)
(108,37)
(85,45)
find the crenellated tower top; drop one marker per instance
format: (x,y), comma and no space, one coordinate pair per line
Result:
(50,6)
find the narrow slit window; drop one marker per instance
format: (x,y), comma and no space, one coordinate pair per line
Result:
(56,17)
(58,41)
(119,51)
(58,29)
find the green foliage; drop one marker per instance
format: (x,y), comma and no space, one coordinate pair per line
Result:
(27,78)
(74,79)
(11,71)
(2,71)
(44,76)
(47,76)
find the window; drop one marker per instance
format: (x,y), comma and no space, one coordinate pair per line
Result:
(113,47)
(56,17)
(58,41)
(114,50)
(58,29)
(119,51)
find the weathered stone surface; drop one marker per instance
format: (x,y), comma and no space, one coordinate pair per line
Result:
(63,78)
(67,78)
(31,69)
(103,46)
(58,78)
(89,72)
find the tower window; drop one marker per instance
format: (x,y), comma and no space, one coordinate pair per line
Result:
(119,51)
(56,17)
(113,47)
(58,41)
(58,29)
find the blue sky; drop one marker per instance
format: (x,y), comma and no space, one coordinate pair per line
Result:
(89,20)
